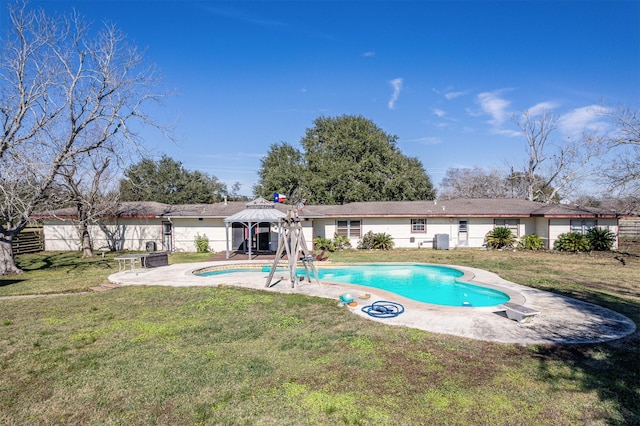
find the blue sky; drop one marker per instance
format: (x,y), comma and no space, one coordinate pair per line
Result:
(444,76)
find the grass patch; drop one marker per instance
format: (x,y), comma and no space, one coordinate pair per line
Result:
(185,356)
(71,273)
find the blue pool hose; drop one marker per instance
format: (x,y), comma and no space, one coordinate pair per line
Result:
(383,309)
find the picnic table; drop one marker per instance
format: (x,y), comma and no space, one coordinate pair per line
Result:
(143,260)
(130,260)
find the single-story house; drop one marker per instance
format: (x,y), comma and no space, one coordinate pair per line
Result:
(454,223)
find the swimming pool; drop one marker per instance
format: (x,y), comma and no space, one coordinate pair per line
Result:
(433,284)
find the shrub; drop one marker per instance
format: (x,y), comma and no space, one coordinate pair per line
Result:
(323,243)
(500,237)
(202,243)
(531,242)
(383,241)
(572,242)
(341,242)
(600,239)
(366,242)
(338,243)
(379,241)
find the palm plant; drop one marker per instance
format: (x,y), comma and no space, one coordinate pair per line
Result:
(500,237)
(601,239)
(382,241)
(572,241)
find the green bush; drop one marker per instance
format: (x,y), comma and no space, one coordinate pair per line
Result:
(341,242)
(202,243)
(531,242)
(601,239)
(379,241)
(322,243)
(572,242)
(500,237)
(338,243)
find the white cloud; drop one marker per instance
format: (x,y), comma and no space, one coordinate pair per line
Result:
(369,54)
(453,95)
(427,140)
(589,118)
(397,87)
(449,94)
(493,104)
(438,112)
(507,132)
(541,108)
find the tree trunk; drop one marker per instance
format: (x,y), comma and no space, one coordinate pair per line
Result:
(87,247)
(7,261)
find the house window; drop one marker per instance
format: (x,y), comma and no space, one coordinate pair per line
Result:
(581,226)
(512,224)
(348,228)
(418,225)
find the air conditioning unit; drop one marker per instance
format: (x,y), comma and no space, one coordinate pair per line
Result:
(441,241)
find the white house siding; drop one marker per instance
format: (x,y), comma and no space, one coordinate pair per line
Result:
(541,229)
(325,228)
(60,235)
(185,232)
(558,226)
(130,234)
(400,230)
(478,229)
(125,234)
(308,229)
(439,225)
(135,233)
(611,225)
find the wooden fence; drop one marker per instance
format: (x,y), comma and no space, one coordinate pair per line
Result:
(629,235)
(629,228)
(30,240)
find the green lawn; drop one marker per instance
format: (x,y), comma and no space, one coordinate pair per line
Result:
(185,356)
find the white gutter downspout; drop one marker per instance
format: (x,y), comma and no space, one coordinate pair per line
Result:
(226,228)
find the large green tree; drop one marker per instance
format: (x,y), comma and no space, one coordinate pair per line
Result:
(344,159)
(167,181)
(281,171)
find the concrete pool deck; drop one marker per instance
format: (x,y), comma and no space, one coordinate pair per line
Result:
(562,320)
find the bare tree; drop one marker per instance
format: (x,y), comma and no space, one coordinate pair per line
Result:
(536,130)
(623,172)
(473,183)
(65,92)
(552,170)
(86,185)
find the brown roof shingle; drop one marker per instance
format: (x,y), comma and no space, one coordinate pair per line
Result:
(472,207)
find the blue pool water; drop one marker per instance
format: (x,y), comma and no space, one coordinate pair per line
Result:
(425,283)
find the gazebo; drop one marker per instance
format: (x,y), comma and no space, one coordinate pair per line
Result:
(256,212)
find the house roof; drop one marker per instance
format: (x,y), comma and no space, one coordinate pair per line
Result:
(468,207)
(148,209)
